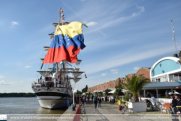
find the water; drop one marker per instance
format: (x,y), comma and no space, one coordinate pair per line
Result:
(24,105)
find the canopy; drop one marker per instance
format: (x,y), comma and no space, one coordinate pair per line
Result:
(163,85)
(113,91)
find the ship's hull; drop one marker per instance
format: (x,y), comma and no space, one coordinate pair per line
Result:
(53,99)
(54,104)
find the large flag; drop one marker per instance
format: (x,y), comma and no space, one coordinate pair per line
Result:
(66,44)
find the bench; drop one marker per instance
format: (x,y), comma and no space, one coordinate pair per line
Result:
(166,107)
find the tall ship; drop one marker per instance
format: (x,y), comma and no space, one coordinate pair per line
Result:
(54,88)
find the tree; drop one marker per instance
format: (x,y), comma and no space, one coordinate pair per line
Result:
(135,85)
(100,93)
(84,90)
(79,92)
(118,91)
(106,91)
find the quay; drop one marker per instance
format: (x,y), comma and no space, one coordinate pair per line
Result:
(109,112)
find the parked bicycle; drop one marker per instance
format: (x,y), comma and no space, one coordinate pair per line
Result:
(124,108)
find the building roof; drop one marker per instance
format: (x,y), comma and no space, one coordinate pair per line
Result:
(163,85)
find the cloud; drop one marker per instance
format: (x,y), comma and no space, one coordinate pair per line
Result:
(1,76)
(120,19)
(142,9)
(91,24)
(4,83)
(14,23)
(134,55)
(21,81)
(136,68)
(114,71)
(27,66)
(104,74)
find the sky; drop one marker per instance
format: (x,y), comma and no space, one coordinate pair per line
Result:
(122,36)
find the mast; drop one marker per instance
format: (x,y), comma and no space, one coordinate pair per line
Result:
(174,36)
(58,24)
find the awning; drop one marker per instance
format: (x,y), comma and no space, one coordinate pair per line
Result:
(163,85)
(113,91)
(123,90)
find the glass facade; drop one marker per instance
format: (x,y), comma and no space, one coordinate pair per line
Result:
(164,78)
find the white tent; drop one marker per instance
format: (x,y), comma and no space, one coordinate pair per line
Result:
(113,91)
(124,91)
(75,91)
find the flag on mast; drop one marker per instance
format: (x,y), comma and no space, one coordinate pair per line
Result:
(68,40)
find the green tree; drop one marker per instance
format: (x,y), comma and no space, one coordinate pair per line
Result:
(106,91)
(118,91)
(135,85)
(79,92)
(100,93)
(84,90)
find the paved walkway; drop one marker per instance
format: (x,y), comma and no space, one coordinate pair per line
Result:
(111,113)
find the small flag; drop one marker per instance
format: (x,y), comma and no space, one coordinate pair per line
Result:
(61,11)
(85,76)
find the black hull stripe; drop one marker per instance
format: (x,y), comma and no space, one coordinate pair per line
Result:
(54,99)
(51,94)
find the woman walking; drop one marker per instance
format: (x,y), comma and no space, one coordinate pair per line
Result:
(84,100)
(95,101)
(99,102)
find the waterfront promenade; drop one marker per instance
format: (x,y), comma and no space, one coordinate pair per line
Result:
(111,113)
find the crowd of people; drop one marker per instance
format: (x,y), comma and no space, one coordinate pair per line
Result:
(95,99)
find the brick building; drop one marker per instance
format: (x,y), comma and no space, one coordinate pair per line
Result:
(145,72)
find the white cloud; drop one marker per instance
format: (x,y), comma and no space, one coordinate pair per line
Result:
(91,24)
(27,66)
(4,83)
(14,23)
(104,74)
(120,19)
(1,76)
(21,81)
(142,9)
(134,55)
(114,71)
(136,68)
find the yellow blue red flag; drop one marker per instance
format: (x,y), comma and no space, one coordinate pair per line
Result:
(66,44)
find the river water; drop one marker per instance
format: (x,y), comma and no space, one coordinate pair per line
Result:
(29,105)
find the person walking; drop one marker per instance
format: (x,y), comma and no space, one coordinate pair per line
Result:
(84,100)
(99,101)
(88,98)
(110,99)
(95,101)
(106,98)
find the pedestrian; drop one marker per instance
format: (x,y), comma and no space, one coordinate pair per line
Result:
(178,111)
(84,100)
(110,99)
(106,98)
(152,96)
(95,101)
(99,101)
(166,93)
(173,105)
(113,99)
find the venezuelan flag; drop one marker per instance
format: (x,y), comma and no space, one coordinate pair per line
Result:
(66,44)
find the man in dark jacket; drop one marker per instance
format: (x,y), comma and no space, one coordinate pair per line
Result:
(178,106)
(174,102)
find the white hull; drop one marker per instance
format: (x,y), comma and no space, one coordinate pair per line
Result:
(54,104)
(53,99)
